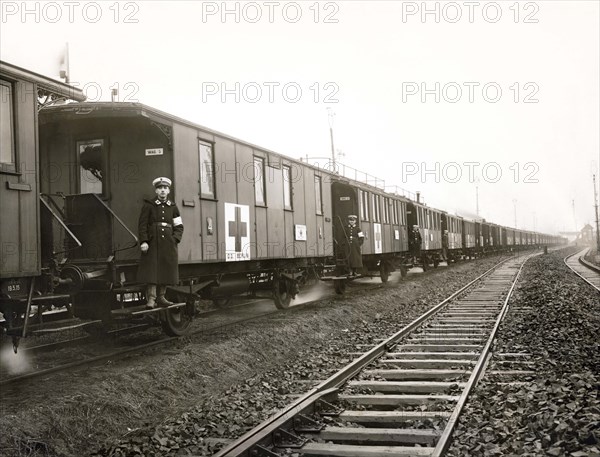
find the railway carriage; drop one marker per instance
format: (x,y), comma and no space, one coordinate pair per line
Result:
(254,220)
(383,222)
(452,235)
(26,270)
(429,222)
(470,238)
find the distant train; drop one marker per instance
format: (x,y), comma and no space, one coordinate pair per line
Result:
(255,221)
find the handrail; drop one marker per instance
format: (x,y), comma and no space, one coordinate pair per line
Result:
(71,234)
(136,240)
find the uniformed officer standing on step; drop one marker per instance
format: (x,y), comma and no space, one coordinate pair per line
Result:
(160,231)
(356,239)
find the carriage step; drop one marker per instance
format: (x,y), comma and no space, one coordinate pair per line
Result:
(130,289)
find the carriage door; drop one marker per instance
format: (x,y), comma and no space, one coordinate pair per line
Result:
(344,203)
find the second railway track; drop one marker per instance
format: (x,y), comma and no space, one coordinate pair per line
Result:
(585,270)
(405,395)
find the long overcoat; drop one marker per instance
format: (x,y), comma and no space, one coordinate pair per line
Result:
(161,227)
(355,239)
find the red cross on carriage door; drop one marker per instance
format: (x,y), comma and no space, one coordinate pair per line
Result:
(377,238)
(237,232)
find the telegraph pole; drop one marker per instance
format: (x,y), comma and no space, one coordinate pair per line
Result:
(596,207)
(330,115)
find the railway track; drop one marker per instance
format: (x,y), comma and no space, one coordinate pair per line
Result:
(585,270)
(404,396)
(92,353)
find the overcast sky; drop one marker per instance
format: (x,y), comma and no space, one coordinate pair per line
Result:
(427,96)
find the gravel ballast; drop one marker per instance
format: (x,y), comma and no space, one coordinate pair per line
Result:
(556,412)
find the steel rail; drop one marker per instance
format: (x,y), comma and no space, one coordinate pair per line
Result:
(591,266)
(246,442)
(586,264)
(444,440)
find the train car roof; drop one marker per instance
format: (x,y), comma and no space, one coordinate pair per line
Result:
(134,109)
(48,84)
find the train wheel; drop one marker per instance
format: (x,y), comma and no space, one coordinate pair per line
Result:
(403,271)
(175,322)
(340,286)
(425,262)
(436,263)
(384,272)
(281,296)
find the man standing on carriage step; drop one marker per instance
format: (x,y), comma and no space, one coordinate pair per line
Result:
(356,239)
(414,242)
(160,231)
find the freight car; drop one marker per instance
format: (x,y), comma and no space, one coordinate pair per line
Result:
(255,221)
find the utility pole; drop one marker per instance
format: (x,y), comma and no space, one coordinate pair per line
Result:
(330,115)
(596,207)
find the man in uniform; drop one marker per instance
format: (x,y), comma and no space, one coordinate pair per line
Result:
(415,241)
(445,245)
(160,231)
(356,239)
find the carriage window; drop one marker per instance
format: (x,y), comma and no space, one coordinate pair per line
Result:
(207,167)
(259,182)
(376,208)
(287,187)
(318,195)
(92,170)
(364,205)
(386,210)
(7,132)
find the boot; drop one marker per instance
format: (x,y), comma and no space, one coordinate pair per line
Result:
(162,301)
(151,296)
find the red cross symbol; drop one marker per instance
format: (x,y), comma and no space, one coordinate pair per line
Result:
(237,229)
